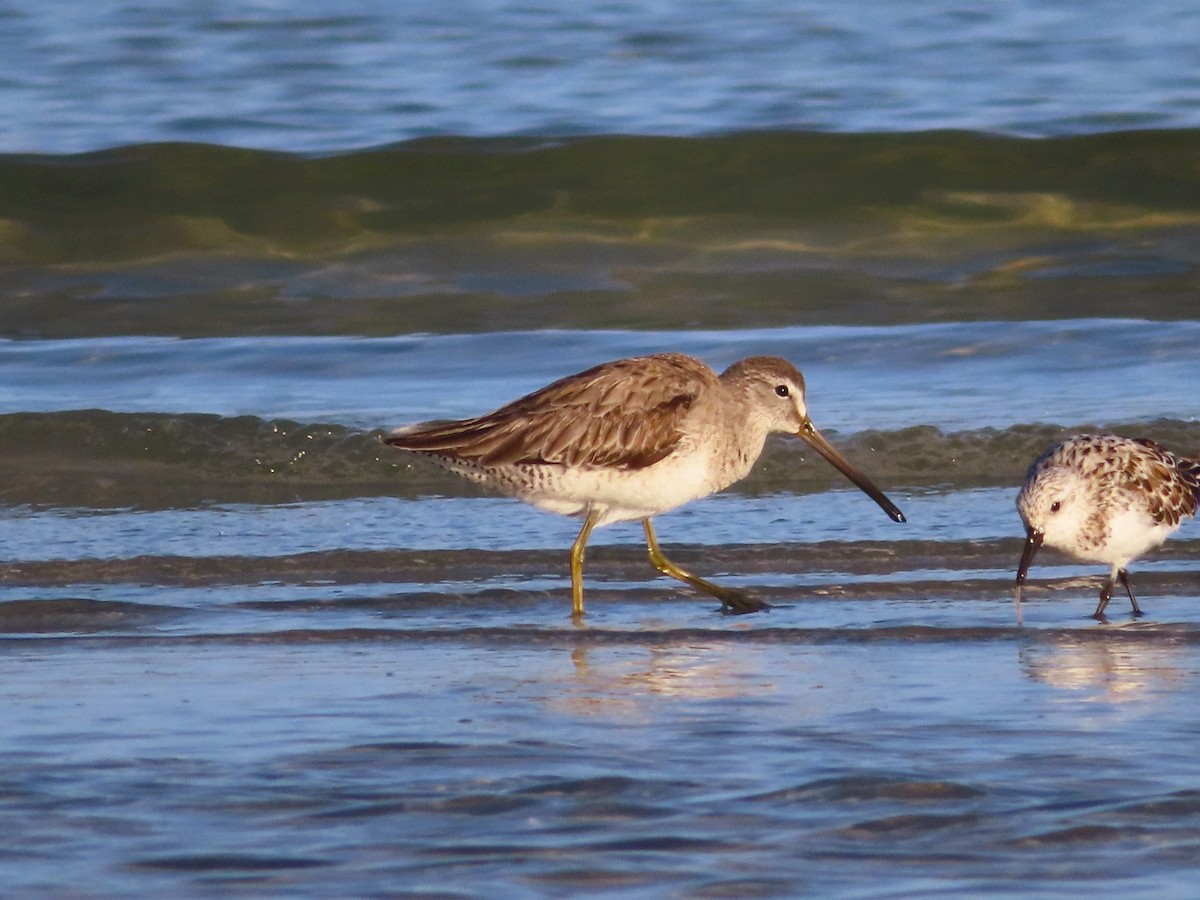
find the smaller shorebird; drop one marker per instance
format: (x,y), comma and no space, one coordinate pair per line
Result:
(630,439)
(1107,499)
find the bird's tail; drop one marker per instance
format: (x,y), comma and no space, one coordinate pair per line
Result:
(1189,468)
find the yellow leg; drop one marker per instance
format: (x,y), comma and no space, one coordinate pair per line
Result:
(732,600)
(577,564)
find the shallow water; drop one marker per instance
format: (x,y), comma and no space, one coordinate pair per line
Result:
(686,762)
(269,656)
(286,693)
(247,650)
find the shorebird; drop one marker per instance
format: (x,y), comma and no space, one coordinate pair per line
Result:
(1106,499)
(630,439)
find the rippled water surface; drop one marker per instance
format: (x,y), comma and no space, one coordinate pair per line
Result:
(248,650)
(314,75)
(663,761)
(254,654)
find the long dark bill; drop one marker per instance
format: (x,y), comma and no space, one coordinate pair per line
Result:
(816,440)
(1033,540)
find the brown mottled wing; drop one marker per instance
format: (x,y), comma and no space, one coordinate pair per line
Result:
(622,414)
(1171,484)
(1189,467)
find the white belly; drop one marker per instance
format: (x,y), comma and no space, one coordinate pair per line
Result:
(1133,533)
(618,495)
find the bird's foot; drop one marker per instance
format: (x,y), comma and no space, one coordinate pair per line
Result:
(737,603)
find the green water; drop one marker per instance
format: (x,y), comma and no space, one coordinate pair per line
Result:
(724,232)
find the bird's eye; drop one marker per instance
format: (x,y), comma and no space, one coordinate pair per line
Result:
(1055,506)
(781,390)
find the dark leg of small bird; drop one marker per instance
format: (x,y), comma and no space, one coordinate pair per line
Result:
(1124,576)
(1105,595)
(577,565)
(733,601)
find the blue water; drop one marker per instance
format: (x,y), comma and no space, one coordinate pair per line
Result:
(246,657)
(989,374)
(484,523)
(320,76)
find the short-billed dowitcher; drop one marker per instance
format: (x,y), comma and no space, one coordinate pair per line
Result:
(630,439)
(1107,499)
